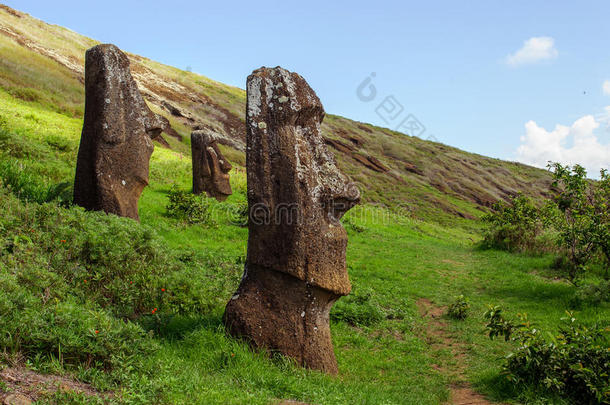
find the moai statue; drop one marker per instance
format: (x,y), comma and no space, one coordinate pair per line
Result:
(115,145)
(210,168)
(295,268)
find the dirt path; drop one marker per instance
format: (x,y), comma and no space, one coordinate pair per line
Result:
(23,386)
(439,338)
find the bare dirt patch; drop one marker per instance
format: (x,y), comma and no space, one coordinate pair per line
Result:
(23,383)
(439,338)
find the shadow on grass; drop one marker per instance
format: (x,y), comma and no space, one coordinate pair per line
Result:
(177,327)
(534,292)
(497,387)
(500,389)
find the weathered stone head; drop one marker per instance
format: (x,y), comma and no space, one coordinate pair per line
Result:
(295,269)
(210,168)
(115,148)
(295,191)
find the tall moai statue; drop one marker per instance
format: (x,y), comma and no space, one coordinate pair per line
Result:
(295,268)
(210,168)
(115,146)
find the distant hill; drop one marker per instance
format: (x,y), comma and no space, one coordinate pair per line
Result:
(44,64)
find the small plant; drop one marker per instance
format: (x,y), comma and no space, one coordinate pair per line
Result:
(459,308)
(4,387)
(575,363)
(497,325)
(189,208)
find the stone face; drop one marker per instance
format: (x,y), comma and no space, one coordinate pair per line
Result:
(210,168)
(116,145)
(295,268)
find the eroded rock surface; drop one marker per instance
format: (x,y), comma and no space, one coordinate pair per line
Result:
(295,268)
(116,145)
(210,168)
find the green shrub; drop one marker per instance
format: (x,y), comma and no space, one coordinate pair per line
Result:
(515,227)
(67,273)
(575,363)
(592,293)
(583,222)
(73,332)
(459,308)
(189,208)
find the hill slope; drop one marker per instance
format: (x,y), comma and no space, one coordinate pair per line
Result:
(44,63)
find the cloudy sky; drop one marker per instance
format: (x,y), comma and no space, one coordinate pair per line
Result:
(520,80)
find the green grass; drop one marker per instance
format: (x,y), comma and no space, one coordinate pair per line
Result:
(407,242)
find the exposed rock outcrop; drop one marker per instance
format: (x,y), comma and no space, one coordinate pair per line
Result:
(295,268)
(410,167)
(210,168)
(115,146)
(370,162)
(340,146)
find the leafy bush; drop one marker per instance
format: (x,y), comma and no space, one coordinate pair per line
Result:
(592,293)
(601,233)
(575,363)
(584,220)
(459,308)
(67,273)
(576,220)
(576,224)
(516,226)
(69,330)
(189,208)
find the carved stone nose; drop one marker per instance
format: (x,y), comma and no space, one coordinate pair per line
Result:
(343,201)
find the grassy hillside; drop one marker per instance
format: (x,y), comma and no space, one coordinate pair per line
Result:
(134,310)
(44,64)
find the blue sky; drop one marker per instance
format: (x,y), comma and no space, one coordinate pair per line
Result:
(518,80)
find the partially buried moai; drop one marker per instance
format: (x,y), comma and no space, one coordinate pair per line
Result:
(115,146)
(210,168)
(295,268)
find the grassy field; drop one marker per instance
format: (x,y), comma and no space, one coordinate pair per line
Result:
(78,289)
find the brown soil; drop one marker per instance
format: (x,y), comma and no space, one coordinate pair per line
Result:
(23,382)
(439,338)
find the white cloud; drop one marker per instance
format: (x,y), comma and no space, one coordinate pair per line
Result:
(568,145)
(606,87)
(534,50)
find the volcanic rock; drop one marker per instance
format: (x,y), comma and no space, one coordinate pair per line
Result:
(210,168)
(295,268)
(115,147)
